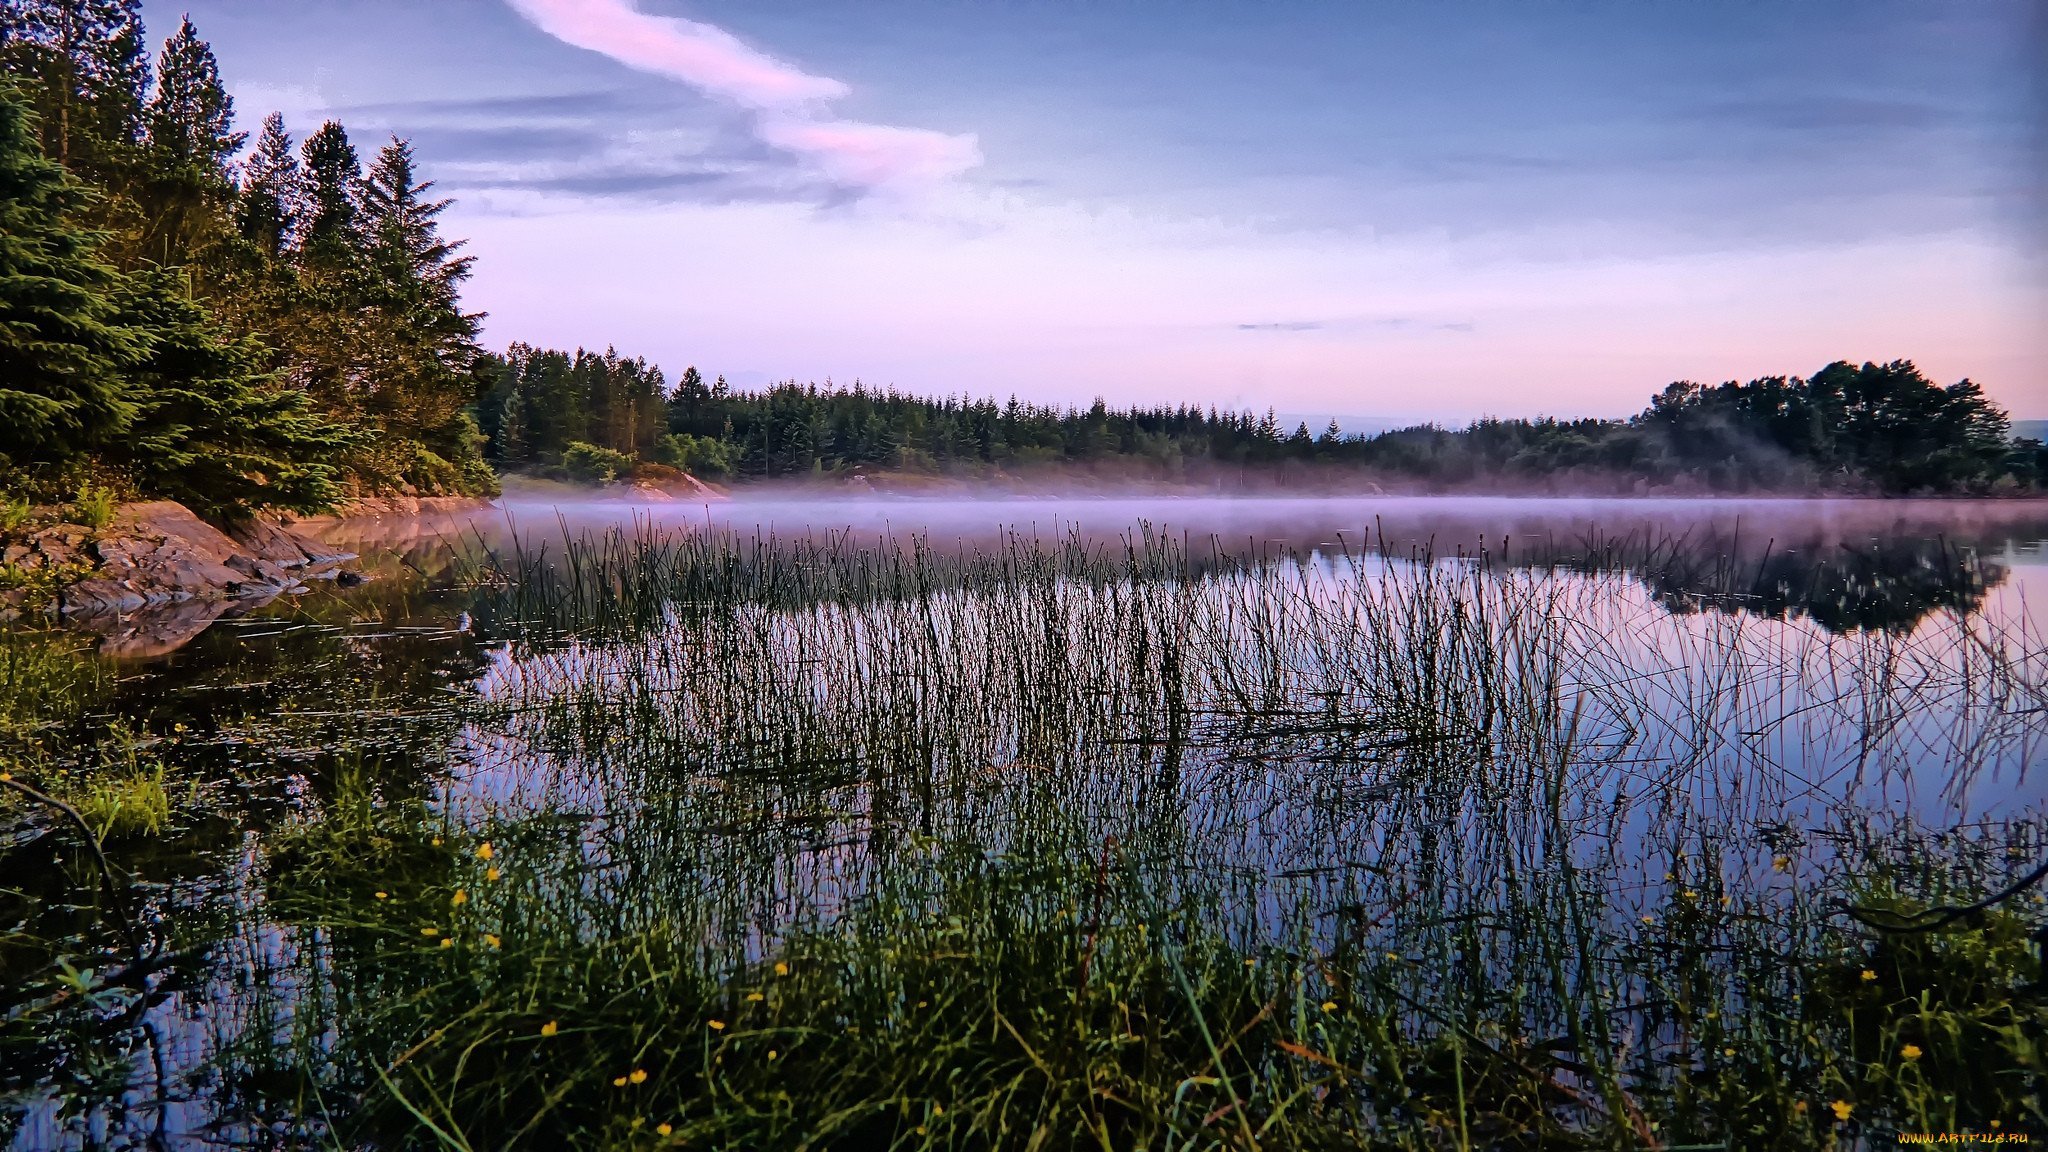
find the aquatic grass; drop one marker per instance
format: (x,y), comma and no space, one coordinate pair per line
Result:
(1066,844)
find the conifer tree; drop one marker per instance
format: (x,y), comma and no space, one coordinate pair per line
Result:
(269,203)
(210,430)
(333,181)
(63,344)
(84,68)
(186,187)
(422,380)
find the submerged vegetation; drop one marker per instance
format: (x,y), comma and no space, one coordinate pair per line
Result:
(723,841)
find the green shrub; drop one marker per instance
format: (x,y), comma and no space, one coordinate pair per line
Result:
(591,463)
(698,455)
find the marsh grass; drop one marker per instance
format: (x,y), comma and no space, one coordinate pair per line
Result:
(830,844)
(814,845)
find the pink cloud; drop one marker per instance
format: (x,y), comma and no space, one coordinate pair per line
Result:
(703,56)
(874,155)
(716,63)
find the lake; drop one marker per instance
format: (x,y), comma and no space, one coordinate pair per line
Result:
(1410,822)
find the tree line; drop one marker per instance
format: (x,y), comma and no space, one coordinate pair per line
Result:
(238,324)
(176,320)
(1874,428)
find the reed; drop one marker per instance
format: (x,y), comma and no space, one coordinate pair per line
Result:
(828,843)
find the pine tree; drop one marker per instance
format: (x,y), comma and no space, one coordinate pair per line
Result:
(63,345)
(333,182)
(83,67)
(421,381)
(211,429)
(187,186)
(270,201)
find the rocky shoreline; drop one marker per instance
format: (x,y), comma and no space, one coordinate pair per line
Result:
(153,575)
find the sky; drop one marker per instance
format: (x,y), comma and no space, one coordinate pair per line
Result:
(1427,211)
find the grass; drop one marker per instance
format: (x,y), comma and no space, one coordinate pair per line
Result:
(817,844)
(93,507)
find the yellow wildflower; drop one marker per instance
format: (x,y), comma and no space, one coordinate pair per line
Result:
(447,941)
(753,996)
(492,873)
(781,969)
(490,941)
(459,899)
(435,842)
(484,851)
(430,931)
(383,895)
(637,1076)
(618,1081)
(550,1028)
(1910,1051)
(1842,1109)
(663,1129)
(1329,1005)
(1729,1052)
(715,1025)
(772,1053)
(1868,975)
(1782,863)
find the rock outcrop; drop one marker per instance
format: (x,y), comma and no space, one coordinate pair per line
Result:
(159,553)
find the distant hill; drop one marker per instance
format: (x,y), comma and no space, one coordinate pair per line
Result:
(2030,430)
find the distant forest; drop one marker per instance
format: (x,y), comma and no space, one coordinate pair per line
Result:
(277,323)
(1877,428)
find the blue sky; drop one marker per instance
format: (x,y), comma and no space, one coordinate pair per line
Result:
(1414,210)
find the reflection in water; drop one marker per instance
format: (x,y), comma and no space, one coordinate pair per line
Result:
(1575,815)
(1844,564)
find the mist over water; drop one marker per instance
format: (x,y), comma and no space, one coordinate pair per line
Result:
(1401,734)
(1850,563)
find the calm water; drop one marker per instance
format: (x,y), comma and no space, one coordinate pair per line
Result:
(1734,683)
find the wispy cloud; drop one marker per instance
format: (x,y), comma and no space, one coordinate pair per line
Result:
(788,105)
(1283,326)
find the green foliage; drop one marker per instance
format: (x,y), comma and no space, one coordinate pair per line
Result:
(215,433)
(699,455)
(83,65)
(267,210)
(118,805)
(537,402)
(92,507)
(64,349)
(213,340)
(184,188)
(15,511)
(596,464)
(46,681)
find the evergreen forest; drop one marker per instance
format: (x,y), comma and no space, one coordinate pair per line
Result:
(236,322)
